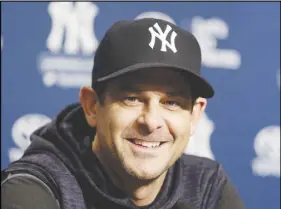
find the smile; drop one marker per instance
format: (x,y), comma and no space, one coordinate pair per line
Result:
(146,144)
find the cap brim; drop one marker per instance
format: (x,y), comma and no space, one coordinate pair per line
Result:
(199,84)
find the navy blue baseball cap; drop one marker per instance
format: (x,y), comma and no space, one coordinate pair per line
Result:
(149,43)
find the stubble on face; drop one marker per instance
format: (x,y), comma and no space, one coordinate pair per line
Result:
(118,124)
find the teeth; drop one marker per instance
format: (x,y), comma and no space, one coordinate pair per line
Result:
(146,144)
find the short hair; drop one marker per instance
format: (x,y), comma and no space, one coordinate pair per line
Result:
(100,89)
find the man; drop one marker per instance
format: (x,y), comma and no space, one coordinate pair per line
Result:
(122,146)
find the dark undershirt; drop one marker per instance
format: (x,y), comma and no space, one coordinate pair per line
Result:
(28,193)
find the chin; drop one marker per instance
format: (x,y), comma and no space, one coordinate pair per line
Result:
(145,176)
(143,173)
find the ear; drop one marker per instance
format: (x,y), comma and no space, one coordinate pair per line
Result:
(198,108)
(88,99)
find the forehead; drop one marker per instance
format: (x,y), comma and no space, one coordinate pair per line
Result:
(152,79)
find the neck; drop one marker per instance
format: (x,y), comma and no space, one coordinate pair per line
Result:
(142,192)
(146,193)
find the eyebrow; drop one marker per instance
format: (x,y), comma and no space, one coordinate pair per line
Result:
(125,87)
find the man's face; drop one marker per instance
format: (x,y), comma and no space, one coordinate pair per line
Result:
(145,122)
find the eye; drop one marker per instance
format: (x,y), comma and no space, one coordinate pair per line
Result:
(131,100)
(172,104)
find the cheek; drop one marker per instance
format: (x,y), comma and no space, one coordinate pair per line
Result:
(179,126)
(120,120)
(111,122)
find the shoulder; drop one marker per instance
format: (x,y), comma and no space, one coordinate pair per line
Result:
(192,161)
(211,179)
(201,180)
(202,170)
(24,191)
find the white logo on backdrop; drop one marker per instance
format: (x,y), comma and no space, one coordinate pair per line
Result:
(267,148)
(71,43)
(200,143)
(207,31)
(21,131)
(162,36)
(156,15)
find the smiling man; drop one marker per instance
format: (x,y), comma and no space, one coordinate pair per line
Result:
(122,146)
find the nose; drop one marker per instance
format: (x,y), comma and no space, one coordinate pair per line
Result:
(150,120)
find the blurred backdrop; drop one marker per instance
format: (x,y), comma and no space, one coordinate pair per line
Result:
(47,54)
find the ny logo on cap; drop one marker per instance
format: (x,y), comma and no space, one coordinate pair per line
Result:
(162,36)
